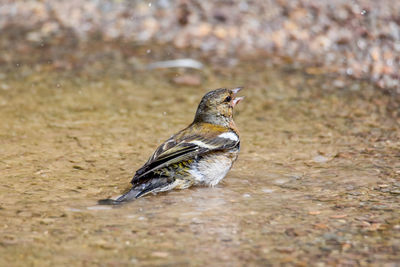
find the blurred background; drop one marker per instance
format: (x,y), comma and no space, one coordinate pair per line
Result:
(360,39)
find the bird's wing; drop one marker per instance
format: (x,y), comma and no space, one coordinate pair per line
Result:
(187,147)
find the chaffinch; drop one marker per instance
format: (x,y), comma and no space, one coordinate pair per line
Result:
(200,154)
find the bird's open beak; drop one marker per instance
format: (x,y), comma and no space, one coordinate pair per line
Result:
(236,100)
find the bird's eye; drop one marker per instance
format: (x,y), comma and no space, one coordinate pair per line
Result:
(228,99)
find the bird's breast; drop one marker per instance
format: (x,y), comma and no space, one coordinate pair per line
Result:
(211,169)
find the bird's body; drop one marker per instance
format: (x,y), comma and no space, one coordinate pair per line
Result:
(201,154)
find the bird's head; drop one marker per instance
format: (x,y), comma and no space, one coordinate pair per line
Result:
(216,106)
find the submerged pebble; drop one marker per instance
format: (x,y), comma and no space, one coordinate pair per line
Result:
(267,190)
(281,181)
(320,159)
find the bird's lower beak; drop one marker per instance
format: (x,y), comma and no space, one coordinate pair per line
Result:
(236,100)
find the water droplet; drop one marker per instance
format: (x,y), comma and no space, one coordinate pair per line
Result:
(246,195)
(363,12)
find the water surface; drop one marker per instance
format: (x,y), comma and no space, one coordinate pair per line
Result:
(317,179)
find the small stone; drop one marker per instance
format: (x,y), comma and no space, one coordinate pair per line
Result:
(160,254)
(291,232)
(314,212)
(281,181)
(383,185)
(338,216)
(320,226)
(220,32)
(202,30)
(331,236)
(320,159)
(396,191)
(47,221)
(267,190)
(346,246)
(381,207)
(77,167)
(374,227)
(339,83)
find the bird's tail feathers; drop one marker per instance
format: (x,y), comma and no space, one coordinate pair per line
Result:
(133,193)
(154,185)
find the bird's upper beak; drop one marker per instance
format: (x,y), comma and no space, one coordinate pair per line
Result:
(236,100)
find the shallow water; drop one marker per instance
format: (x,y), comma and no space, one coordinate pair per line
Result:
(317,179)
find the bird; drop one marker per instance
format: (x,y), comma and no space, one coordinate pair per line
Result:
(200,154)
